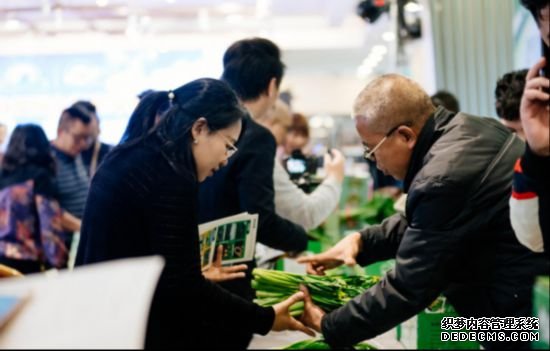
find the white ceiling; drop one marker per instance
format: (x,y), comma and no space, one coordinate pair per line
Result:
(326,46)
(52,17)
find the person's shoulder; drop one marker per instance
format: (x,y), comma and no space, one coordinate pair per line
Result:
(105,148)
(256,136)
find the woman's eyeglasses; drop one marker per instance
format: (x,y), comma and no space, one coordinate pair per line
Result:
(230,148)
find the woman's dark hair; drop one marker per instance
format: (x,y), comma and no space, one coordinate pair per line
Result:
(28,146)
(151,105)
(508,93)
(209,98)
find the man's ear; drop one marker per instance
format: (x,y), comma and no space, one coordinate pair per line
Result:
(272,89)
(408,135)
(199,128)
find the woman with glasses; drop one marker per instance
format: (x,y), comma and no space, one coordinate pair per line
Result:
(149,112)
(143,201)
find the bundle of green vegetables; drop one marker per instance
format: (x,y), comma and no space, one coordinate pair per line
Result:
(320,344)
(374,212)
(328,292)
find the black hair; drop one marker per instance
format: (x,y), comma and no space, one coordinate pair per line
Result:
(86,107)
(534,6)
(152,105)
(250,64)
(145,93)
(447,100)
(73,113)
(508,93)
(28,146)
(209,98)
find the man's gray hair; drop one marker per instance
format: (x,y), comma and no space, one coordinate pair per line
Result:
(391,100)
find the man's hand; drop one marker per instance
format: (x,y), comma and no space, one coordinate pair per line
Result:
(217,273)
(535,110)
(313,314)
(283,319)
(344,252)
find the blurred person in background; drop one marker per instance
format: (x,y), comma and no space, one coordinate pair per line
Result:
(455,238)
(144,201)
(93,156)
(32,223)
(508,93)
(74,135)
(297,136)
(530,201)
(447,100)
(291,202)
(254,70)
(3,134)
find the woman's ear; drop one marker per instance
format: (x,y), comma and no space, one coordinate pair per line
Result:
(199,128)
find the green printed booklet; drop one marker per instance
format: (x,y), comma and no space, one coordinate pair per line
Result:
(237,235)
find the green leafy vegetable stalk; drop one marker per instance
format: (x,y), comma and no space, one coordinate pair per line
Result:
(328,292)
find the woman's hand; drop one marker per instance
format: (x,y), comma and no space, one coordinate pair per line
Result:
(217,273)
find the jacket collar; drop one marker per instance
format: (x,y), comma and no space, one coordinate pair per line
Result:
(427,137)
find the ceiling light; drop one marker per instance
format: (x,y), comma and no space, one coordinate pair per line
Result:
(413,7)
(363,72)
(230,8)
(388,36)
(102,3)
(203,18)
(13,24)
(379,49)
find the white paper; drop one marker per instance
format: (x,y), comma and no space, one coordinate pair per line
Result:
(104,305)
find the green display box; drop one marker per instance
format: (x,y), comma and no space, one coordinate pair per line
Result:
(541,309)
(355,192)
(423,331)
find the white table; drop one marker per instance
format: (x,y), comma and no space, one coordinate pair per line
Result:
(277,340)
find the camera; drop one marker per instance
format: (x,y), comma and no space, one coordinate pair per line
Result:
(371,10)
(302,169)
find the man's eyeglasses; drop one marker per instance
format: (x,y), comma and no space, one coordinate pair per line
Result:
(230,148)
(369,154)
(81,138)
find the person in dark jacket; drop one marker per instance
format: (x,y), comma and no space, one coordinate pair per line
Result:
(144,201)
(455,237)
(253,68)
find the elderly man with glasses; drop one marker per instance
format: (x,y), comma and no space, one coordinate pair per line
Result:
(455,237)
